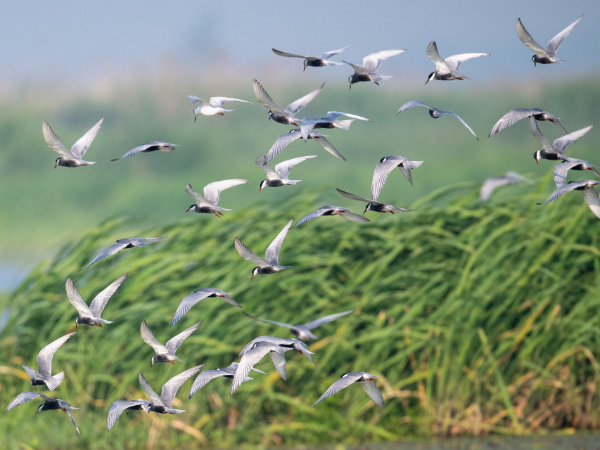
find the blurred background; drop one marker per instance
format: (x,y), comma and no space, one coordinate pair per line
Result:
(134,64)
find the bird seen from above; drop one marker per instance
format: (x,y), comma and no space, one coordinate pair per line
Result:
(153,146)
(314,61)
(435,113)
(124,243)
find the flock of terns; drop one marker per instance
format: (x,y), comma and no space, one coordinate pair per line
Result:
(207,202)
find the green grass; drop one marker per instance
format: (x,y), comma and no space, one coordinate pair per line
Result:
(477,319)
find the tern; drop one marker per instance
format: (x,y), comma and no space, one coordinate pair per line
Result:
(370,65)
(149,147)
(554,151)
(435,113)
(165,353)
(303,331)
(271,262)
(561,169)
(314,61)
(385,167)
(329,121)
(447,69)
(49,404)
(285,139)
(207,375)
(514,115)
(285,116)
(124,243)
(189,301)
(73,157)
(207,203)
(214,106)
(164,403)
(120,406)
(333,211)
(44,360)
(279,176)
(91,315)
(347,379)
(590,195)
(294,344)
(373,204)
(491,184)
(253,355)
(547,56)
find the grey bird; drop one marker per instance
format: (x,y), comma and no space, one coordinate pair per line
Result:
(270,264)
(590,195)
(373,204)
(514,115)
(70,158)
(314,61)
(447,69)
(164,403)
(207,203)
(284,140)
(91,315)
(44,360)
(207,375)
(329,121)
(370,66)
(491,184)
(165,353)
(435,113)
(333,211)
(253,355)
(149,147)
(279,176)
(214,105)
(189,301)
(48,405)
(364,378)
(385,167)
(287,115)
(292,344)
(554,151)
(561,169)
(547,56)
(120,406)
(303,331)
(124,243)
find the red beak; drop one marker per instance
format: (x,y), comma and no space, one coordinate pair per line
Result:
(37,411)
(172,362)
(392,212)
(251,277)
(187,210)
(221,114)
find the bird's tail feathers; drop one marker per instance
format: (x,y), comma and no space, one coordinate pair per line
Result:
(54,382)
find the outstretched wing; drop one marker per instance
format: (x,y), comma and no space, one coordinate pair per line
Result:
(149,339)
(204,377)
(563,142)
(54,142)
(149,391)
(373,392)
(412,104)
(75,298)
(68,408)
(333,115)
(107,252)
(381,172)
(564,189)
(213,190)
(349,215)
(291,55)
(248,254)
(323,142)
(264,98)
(103,297)
(170,388)
(195,99)
(352,196)
(539,136)
(323,320)
(338,385)
(272,253)
(441,66)
(528,40)
(173,344)
(117,408)
(248,361)
(22,398)
(590,195)
(283,168)
(197,197)
(279,363)
(219,101)
(512,117)
(490,185)
(455,60)
(81,146)
(555,42)
(315,214)
(44,357)
(189,301)
(331,53)
(282,142)
(461,121)
(371,62)
(296,106)
(561,170)
(281,324)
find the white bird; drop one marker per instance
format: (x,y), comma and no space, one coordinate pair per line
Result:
(547,56)
(124,243)
(435,113)
(153,146)
(590,195)
(214,106)
(253,356)
(491,184)
(165,353)
(207,203)
(329,121)
(447,69)
(295,344)
(44,360)
(370,65)
(199,295)
(287,115)
(556,150)
(314,61)
(285,139)
(71,158)
(364,378)
(279,176)
(207,375)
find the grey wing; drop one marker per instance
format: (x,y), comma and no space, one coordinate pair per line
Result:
(590,195)
(331,53)
(107,252)
(44,357)
(296,106)
(315,214)
(170,388)
(203,379)
(248,361)
(412,104)
(282,142)
(563,142)
(561,170)
(213,190)
(461,121)
(441,66)
(68,410)
(338,385)
(261,162)
(512,117)
(371,62)
(281,324)
(195,99)
(81,146)
(142,242)
(352,196)
(279,363)
(75,298)
(564,189)
(272,252)
(539,136)
(283,168)
(291,55)
(321,140)
(148,338)
(323,320)
(22,398)
(264,98)
(373,392)
(117,408)
(528,40)
(266,339)
(197,197)
(490,185)
(173,344)
(219,101)
(248,254)
(153,396)
(380,174)
(189,301)
(100,301)
(54,142)
(358,69)
(455,60)
(133,151)
(333,115)
(555,42)
(349,215)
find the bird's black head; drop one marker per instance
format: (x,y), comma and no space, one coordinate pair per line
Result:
(344,374)
(534,59)
(191,208)
(384,159)
(254,272)
(537,156)
(56,162)
(271,115)
(305,63)
(430,77)
(263,184)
